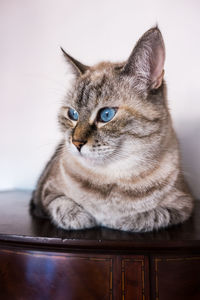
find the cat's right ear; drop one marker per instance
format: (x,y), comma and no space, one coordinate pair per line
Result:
(77,67)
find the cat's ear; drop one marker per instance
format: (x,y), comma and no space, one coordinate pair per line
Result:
(77,67)
(146,62)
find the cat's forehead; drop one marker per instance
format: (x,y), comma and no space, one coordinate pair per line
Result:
(97,86)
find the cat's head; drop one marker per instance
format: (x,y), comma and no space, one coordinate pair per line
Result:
(118,111)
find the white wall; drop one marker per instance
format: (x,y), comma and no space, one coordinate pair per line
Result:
(34,76)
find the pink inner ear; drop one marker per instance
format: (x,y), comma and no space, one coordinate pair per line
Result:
(157,71)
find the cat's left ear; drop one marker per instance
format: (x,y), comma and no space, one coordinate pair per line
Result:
(77,67)
(146,62)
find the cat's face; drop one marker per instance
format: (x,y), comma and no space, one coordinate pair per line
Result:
(112,113)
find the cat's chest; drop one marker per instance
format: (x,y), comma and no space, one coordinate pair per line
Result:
(105,200)
(86,193)
(103,207)
(100,200)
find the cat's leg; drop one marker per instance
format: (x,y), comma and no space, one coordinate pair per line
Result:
(144,221)
(67,214)
(159,217)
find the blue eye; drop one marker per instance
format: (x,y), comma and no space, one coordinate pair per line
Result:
(106,114)
(73,114)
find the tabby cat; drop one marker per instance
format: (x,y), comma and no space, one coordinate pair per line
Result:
(118,164)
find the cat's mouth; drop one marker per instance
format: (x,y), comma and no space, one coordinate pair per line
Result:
(86,155)
(97,156)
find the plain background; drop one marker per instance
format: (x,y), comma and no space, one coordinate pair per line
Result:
(34,76)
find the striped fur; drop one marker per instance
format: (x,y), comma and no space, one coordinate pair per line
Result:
(127,176)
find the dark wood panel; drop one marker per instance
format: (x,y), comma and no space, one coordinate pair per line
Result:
(27,275)
(176,278)
(134,278)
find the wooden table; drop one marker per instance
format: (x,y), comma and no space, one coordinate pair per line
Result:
(41,262)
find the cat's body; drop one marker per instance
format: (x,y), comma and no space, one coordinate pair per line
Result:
(123,172)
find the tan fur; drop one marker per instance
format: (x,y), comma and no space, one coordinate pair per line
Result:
(127,175)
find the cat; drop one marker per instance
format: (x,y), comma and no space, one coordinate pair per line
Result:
(118,164)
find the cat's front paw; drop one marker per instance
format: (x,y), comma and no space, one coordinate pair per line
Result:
(67,214)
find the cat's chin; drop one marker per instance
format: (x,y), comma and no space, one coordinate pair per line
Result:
(89,160)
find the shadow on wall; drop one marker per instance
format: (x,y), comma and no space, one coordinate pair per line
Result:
(189,138)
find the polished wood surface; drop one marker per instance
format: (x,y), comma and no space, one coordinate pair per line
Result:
(39,261)
(16,224)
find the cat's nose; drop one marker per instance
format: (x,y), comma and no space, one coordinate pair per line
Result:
(79,144)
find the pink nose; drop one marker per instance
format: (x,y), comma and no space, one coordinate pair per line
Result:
(79,144)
